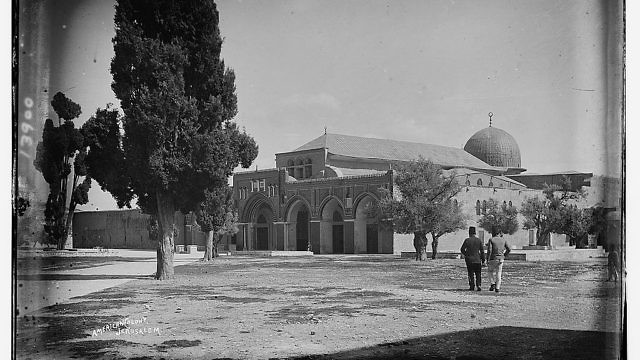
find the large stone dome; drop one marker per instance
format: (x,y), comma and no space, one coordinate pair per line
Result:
(495,147)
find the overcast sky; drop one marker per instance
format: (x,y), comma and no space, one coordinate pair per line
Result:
(423,71)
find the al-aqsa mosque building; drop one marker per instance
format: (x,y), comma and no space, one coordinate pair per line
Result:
(317,196)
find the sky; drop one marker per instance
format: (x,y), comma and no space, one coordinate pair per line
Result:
(421,71)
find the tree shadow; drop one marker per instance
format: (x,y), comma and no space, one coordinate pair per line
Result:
(63,277)
(502,342)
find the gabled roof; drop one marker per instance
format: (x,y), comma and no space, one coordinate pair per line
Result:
(384,149)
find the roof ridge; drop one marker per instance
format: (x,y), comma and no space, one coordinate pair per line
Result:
(392,140)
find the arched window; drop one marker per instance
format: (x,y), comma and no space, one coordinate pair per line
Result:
(484,206)
(478,207)
(479,182)
(290,168)
(307,168)
(510,204)
(490,183)
(504,204)
(468,182)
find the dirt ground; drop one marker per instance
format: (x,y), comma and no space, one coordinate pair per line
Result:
(337,307)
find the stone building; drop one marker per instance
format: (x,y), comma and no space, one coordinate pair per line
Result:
(319,195)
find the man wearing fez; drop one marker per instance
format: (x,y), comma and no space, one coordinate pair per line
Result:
(473,252)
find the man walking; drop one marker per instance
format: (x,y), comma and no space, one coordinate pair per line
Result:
(473,252)
(497,249)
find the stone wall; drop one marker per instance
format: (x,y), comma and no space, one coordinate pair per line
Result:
(118,229)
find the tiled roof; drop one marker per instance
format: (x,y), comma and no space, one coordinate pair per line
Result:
(384,149)
(463,171)
(355,172)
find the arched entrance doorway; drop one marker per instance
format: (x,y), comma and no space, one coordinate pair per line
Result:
(337,233)
(365,232)
(262,233)
(332,228)
(263,228)
(298,227)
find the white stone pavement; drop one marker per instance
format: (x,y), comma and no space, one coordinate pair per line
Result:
(39,289)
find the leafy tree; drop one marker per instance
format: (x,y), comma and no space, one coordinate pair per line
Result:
(176,138)
(554,213)
(499,219)
(535,212)
(579,223)
(22,203)
(447,218)
(423,203)
(61,152)
(217,217)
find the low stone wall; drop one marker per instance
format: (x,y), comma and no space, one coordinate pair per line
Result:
(568,254)
(441,255)
(268,253)
(561,254)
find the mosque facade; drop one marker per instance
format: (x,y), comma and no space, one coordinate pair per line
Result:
(318,196)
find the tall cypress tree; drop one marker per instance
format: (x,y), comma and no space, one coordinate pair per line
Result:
(178,97)
(60,154)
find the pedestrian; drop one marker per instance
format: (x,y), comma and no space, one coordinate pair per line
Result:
(497,249)
(473,252)
(614,263)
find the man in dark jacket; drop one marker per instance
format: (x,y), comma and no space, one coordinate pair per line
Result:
(473,252)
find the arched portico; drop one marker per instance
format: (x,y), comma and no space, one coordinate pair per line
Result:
(365,227)
(298,228)
(332,228)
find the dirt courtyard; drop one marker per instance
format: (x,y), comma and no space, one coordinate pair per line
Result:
(339,306)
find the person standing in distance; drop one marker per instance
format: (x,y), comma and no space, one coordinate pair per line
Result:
(497,249)
(473,252)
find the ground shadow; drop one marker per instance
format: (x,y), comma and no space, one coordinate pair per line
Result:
(63,277)
(57,263)
(502,342)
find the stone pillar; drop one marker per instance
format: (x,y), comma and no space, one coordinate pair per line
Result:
(248,245)
(532,237)
(279,233)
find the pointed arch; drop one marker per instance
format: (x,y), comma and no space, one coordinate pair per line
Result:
(253,204)
(327,200)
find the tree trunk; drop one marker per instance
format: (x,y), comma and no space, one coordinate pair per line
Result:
(216,241)
(68,227)
(542,238)
(208,252)
(420,245)
(434,247)
(166,209)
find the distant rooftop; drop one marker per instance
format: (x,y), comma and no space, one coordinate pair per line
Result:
(385,149)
